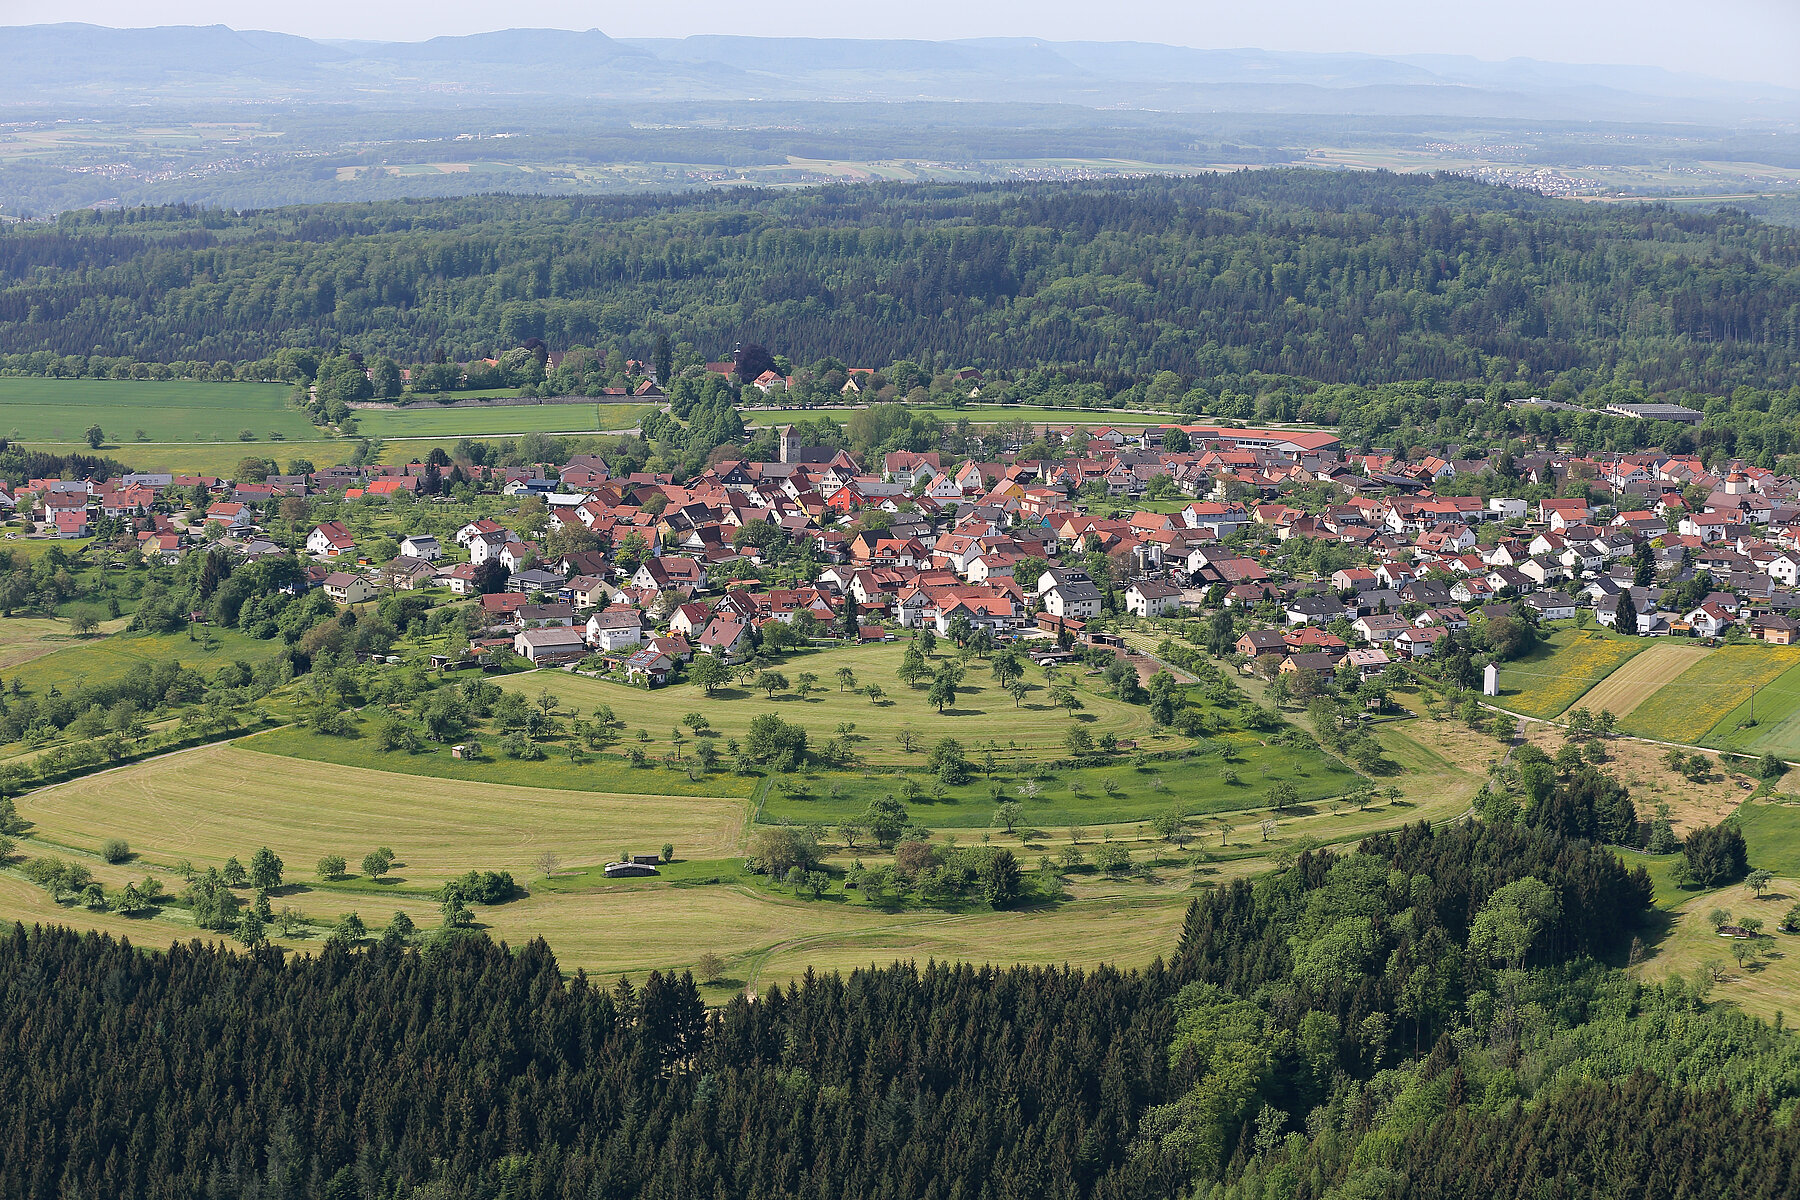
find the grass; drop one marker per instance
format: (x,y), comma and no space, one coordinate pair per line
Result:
(1687,708)
(428,419)
(174,411)
(1765,985)
(1557,673)
(1622,692)
(1777,715)
(1771,830)
(209,804)
(600,773)
(982,710)
(218,459)
(25,638)
(103,660)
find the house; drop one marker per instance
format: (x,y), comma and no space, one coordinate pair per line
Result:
(229,514)
(556,644)
(1380,627)
(1068,592)
(1316,663)
(1314,610)
(1551,606)
(1776,629)
(1152,598)
(615,627)
(1420,643)
(421,546)
(1368,663)
(71,524)
(689,619)
(329,540)
(1709,620)
(538,616)
(1259,642)
(727,639)
(345,588)
(650,664)
(408,574)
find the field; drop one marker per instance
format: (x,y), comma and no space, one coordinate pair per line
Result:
(102,660)
(987,414)
(427,419)
(1777,713)
(1554,676)
(202,805)
(1687,708)
(1627,688)
(1765,984)
(981,712)
(60,410)
(25,638)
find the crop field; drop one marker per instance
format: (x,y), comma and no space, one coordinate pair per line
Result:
(1556,674)
(982,710)
(1777,713)
(1622,692)
(209,804)
(1687,708)
(428,419)
(60,410)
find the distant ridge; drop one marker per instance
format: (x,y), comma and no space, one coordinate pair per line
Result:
(75,63)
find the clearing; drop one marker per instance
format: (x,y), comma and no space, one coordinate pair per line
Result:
(1768,980)
(1622,692)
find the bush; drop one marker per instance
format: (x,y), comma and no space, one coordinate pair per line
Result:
(480,887)
(115,850)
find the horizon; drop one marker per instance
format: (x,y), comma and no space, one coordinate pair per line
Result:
(1590,34)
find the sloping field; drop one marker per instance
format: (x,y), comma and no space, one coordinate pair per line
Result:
(207,805)
(1622,692)
(1688,707)
(1557,673)
(1776,709)
(436,420)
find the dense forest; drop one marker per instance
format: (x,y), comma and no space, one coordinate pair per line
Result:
(1422,1016)
(1333,277)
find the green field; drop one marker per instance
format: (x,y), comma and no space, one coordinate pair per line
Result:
(60,410)
(1777,713)
(426,419)
(25,638)
(1690,706)
(1562,669)
(103,660)
(982,710)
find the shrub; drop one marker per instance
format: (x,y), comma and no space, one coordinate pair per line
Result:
(1716,855)
(480,887)
(115,850)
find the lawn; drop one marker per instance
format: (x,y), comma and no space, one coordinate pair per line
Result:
(1771,830)
(103,660)
(1767,983)
(1622,692)
(1687,708)
(209,804)
(60,410)
(428,419)
(1557,673)
(981,712)
(1777,715)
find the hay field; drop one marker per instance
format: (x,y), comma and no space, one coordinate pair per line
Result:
(1552,677)
(1622,692)
(25,638)
(982,710)
(209,804)
(60,410)
(102,660)
(1687,708)
(428,419)
(1776,708)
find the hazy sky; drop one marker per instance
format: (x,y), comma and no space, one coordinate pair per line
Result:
(1732,39)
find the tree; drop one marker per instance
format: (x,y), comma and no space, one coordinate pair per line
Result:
(1007,814)
(943,689)
(1078,740)
(1000,881)
(265,870)
(771,682)
(709,671)
(874,692)
(375,864)
(547,703)
(400,932)
(886,819)
(709,967)
(1625,615)
(95,437)
(233,873)
(331,866)
(1018,690)
(1758,882)
(846,679)
(1715,854)
(1283,795)
(349,930)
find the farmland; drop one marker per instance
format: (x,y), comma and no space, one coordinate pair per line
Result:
(102,660)
(1777,715)
(1687,707)
(60,410)
(425,419)
(25,638)
(1622,692)
(1557,673)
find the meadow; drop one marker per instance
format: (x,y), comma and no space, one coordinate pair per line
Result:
(25,638)
(1557,673)
(103,660)
(1686,708)
(60,410)
(1776,711)
(1622,692)
(427,419)
(982,712)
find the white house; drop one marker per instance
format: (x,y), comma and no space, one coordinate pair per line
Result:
(330,540)
(1152,598)
(345,588)
(613,628)
(422,546)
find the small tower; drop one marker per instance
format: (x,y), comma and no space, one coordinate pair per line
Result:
(1736,484)
(787,444)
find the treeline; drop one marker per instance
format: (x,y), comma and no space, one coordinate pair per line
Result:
(1336,278)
